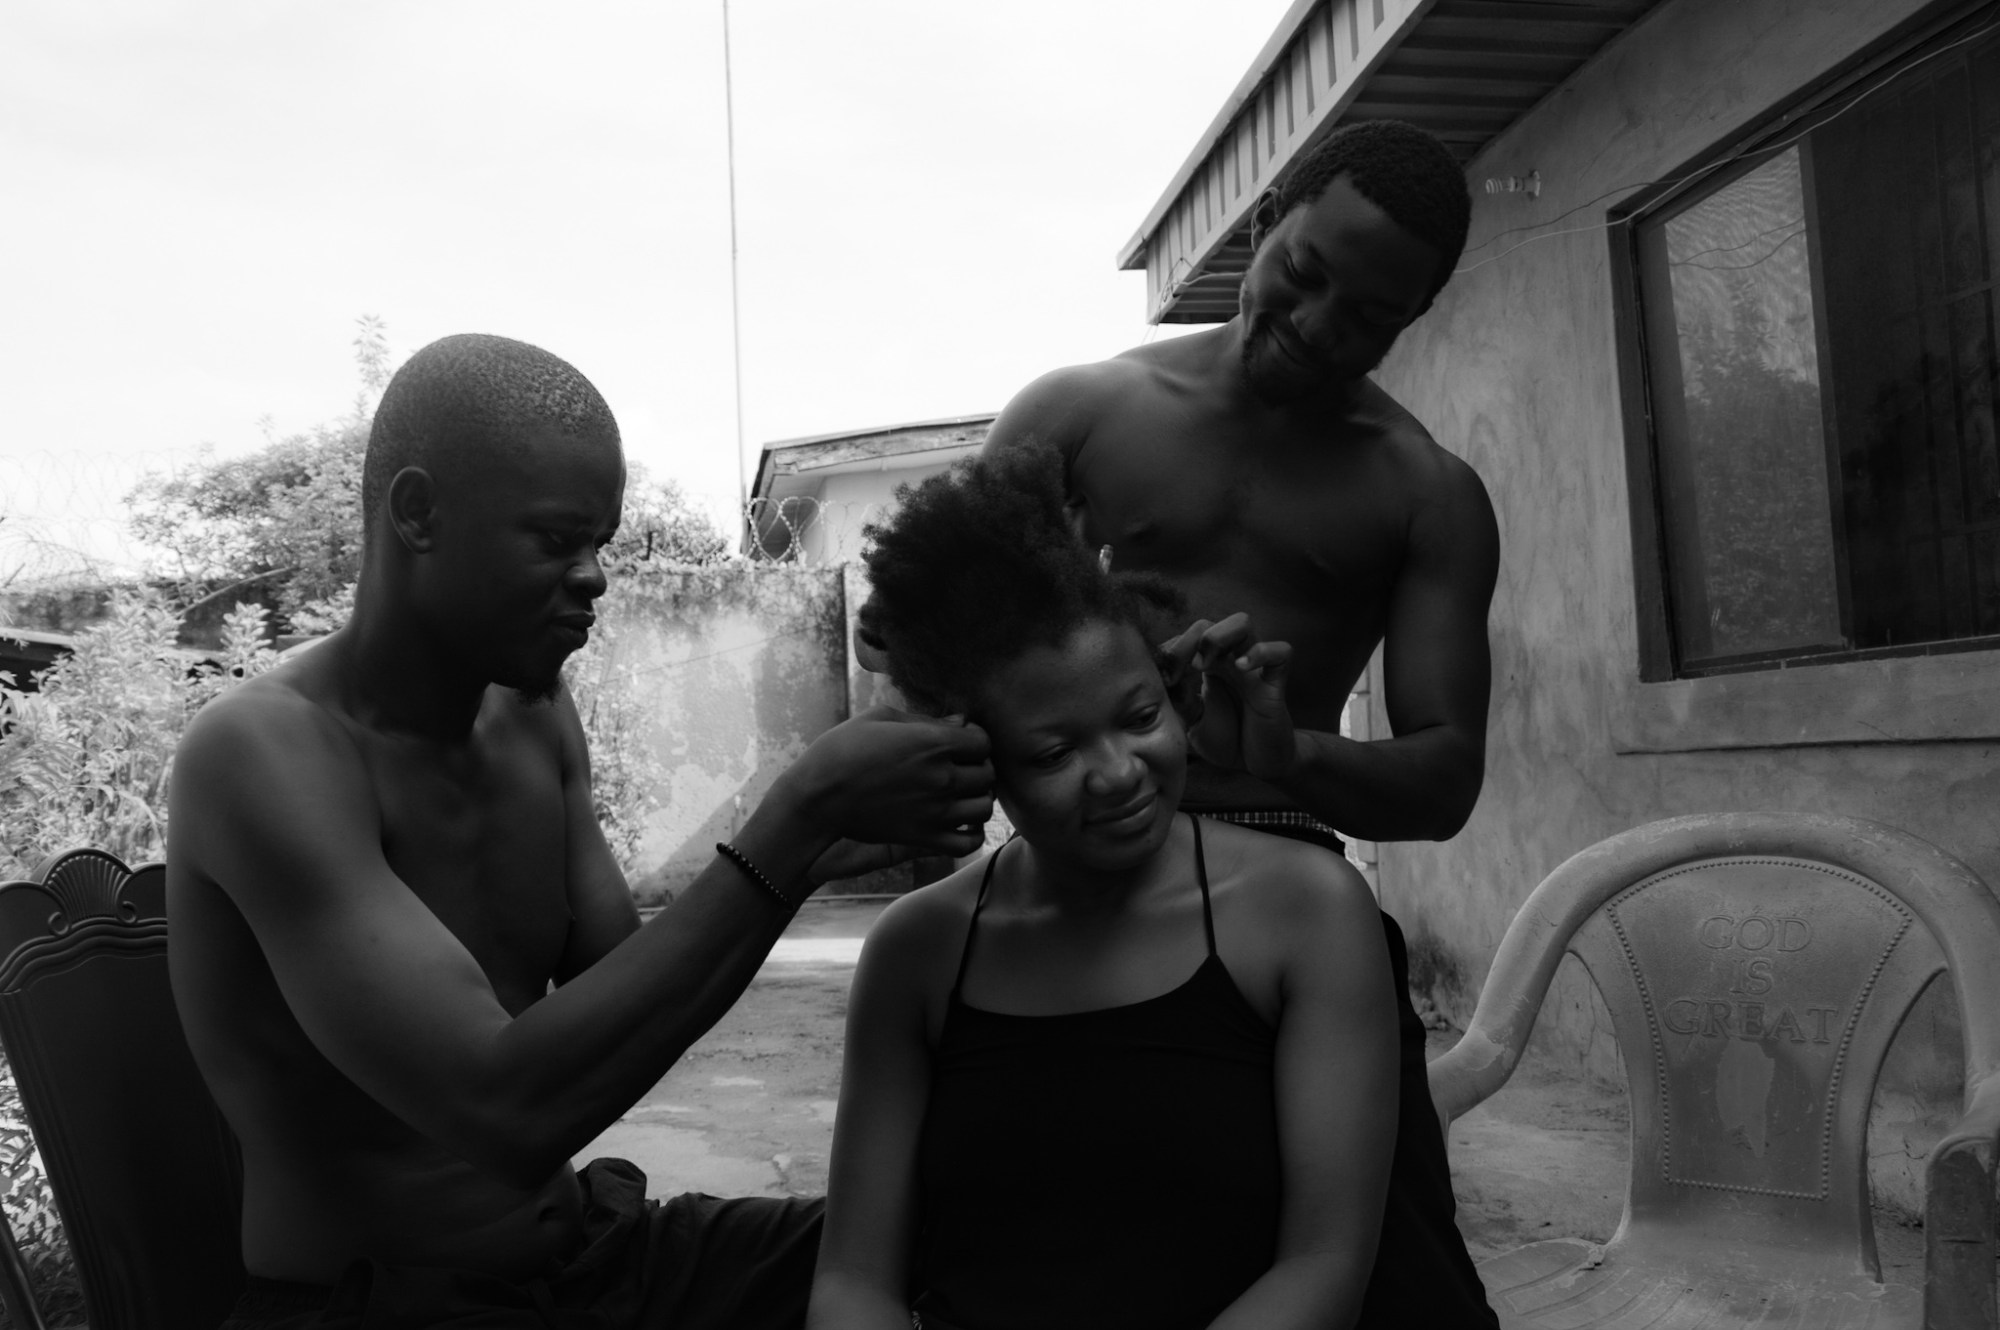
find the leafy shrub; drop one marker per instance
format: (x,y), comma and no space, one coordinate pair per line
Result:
(87,761)
(288,515)
(31,1211)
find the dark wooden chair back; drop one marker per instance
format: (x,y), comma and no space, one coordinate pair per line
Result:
(146,1173)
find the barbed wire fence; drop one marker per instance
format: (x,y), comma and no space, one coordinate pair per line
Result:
(808,531)
(63,518)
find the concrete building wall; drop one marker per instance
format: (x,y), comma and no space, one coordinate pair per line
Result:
(1515,370)
(848,502)
(738,667)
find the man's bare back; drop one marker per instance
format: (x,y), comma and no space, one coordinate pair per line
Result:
(406,961)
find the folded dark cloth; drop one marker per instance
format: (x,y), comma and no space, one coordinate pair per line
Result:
(690,1263)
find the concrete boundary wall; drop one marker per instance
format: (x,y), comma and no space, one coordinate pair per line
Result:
(738,668)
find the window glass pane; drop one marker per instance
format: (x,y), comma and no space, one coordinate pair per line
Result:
(1733,346)
(1910,247)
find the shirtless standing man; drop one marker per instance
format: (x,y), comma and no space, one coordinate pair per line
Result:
(1294,501)
(408,965)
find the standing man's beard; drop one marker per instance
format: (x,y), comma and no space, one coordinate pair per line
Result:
(1302,380)
(1283,380)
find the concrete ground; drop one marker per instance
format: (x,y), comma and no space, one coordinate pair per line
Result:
(749,1111)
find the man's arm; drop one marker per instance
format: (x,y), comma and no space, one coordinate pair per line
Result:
(601,911)
(1057,411)
(1054,411)
(271,802)
(1422,783)
(1437,679)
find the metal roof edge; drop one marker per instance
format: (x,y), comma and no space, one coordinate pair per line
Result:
(940,423)
(1134,251)
(37,637)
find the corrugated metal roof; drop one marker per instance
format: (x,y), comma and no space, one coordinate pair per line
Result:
(1463,69)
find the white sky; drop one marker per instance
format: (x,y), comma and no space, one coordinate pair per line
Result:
(200,198)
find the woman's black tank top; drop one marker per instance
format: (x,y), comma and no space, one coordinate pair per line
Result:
(1102,1169)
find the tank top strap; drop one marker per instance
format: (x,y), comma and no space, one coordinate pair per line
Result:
(1201,876)
(972,925)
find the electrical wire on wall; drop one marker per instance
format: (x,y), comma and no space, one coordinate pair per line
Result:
(1699,173)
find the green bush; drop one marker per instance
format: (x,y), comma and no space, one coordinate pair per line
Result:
(31,1213)
(86,760)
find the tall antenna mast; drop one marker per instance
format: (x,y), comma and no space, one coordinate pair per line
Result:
(735,297)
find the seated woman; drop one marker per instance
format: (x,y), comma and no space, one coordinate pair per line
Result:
(1133,1070)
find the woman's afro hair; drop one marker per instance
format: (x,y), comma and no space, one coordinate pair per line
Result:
(979,564)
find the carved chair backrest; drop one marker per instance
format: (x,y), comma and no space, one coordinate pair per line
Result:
(146,1173)
(1756,968)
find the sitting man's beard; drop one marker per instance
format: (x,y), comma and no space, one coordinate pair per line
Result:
(540,694)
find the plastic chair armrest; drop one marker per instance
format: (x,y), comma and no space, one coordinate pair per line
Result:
(1467,1073)
(1959,1216)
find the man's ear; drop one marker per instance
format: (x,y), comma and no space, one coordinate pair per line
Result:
(413,509)
(1263,216)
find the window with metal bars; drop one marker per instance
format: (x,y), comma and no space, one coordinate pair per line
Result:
(1818,327)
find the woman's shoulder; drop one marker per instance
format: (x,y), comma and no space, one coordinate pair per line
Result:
(921,933)
(1278,866)
(1284,888)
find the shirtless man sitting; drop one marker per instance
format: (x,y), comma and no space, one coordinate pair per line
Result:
(1308,517)
(408,965)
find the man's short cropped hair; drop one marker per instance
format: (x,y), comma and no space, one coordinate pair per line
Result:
(1405,171)
(473,392)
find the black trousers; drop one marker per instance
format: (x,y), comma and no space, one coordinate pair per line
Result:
(690,1263)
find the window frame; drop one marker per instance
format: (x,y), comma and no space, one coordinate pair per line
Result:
(1792,121)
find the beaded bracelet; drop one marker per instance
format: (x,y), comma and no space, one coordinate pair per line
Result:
(755,874)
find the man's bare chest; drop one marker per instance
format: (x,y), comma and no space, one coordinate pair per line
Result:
(1315,525)
(479,836)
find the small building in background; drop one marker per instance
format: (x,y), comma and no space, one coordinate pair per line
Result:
(1722,348)
(813,497)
